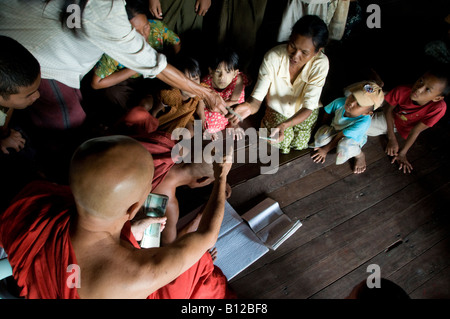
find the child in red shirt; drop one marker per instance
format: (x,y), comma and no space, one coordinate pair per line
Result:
(409,111)
(225,78)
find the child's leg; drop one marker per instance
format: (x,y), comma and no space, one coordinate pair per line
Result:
(271,120)
(323,136)
(378,125)
(346,149)
(302,131)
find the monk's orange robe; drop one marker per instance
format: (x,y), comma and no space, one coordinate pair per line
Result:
(34,232)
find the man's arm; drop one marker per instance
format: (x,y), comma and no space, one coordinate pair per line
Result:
(175,78)
(400,158)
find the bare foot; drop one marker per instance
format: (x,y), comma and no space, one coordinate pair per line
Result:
(213,253)
(360,163)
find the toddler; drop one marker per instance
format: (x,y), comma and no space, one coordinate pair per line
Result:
(225,78)
(347,132)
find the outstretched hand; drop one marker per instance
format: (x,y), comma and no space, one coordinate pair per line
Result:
(155,8)
(320,155)
(139,226)
(14,141)
(202,6)
(403,162)
(222,168)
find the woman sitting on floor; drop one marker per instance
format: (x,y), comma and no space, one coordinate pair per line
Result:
(291,78)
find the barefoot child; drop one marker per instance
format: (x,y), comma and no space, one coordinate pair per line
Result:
(409,110)
(224,77)
(176,107)
(347,132)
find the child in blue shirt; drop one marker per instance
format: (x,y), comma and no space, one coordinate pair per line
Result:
(347,132)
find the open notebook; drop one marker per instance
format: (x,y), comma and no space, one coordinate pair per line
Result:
(244,239)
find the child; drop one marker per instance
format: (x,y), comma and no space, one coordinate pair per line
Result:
(409,110)
(20,77)
(177,106)
(352,117)
(224,77)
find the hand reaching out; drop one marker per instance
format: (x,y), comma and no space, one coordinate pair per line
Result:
(155,8)
(14,140)
(392,148)
(202,6)
(403,163)
(320,155)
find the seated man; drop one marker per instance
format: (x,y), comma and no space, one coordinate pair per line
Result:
(57,237)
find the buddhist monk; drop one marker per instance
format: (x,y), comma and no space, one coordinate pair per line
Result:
(82,241)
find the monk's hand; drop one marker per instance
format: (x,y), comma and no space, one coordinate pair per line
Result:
(139,226)
(222,166)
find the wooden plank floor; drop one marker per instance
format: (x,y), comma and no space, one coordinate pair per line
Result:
(397,221)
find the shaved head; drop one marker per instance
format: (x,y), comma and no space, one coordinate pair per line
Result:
(109,175)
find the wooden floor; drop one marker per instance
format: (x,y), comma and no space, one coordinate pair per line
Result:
(398,221)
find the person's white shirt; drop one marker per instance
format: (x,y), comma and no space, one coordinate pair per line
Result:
(275,86)
(65,56)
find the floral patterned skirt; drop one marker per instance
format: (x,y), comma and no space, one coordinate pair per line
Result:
(296,137)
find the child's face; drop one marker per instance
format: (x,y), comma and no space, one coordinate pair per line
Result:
(196,79)
(427,88)
(353,109)
(26,96)
(141,24)
(221,77)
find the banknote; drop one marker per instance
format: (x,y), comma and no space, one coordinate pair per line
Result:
(154,206)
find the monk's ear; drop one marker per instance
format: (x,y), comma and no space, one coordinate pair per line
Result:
(132,210)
